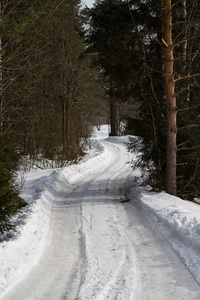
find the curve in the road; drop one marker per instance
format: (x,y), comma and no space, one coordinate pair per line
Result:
(101,248)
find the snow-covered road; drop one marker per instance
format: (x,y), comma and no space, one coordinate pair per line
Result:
(99,246)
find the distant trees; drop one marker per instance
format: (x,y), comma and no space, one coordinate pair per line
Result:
(110,37)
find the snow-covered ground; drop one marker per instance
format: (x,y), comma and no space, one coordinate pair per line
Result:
(80,239)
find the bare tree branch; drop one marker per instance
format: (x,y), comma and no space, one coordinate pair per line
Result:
(182,144)
(189,148)
(165,43)
(186,77)
(186,39)
(158,41)
(180,22)
(181,91)
(184,56)
(189,126)
(176,3)
(187,108)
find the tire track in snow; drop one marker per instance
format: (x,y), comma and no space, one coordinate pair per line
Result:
(108,271)
(102,249)
(125,258)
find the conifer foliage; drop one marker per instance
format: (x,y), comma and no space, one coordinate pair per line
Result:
(135,63)
(10,201)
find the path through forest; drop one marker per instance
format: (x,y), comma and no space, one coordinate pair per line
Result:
(102,247)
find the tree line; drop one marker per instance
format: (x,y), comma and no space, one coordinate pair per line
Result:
(47,90)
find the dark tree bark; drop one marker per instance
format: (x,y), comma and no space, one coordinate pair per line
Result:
(113,117)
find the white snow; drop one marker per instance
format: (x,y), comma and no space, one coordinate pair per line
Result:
(178,221)
(109,265)
(42,188)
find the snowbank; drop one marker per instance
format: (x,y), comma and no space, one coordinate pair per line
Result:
(21,252)
(177,220)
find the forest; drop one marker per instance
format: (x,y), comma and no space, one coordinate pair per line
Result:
(65,68)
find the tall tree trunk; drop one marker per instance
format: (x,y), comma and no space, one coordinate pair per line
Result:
(113,115)
(171,187)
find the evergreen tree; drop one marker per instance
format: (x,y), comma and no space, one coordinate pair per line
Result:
(112,37)
(139,72)
(10,202)
(123,34)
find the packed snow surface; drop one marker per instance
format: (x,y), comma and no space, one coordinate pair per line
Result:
(81,238)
